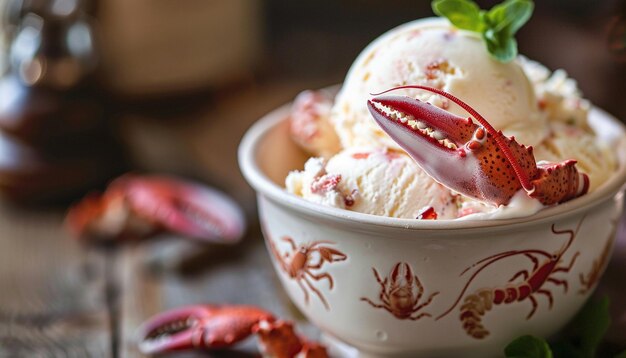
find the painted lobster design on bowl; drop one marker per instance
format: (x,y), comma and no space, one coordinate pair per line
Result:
(302,263)
(473,159)
(401,293)
(589,279)
(475,305)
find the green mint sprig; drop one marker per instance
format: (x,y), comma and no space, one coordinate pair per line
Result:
(579,340)
(528,347)
(497,26)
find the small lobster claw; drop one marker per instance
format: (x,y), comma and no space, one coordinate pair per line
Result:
(213,327)
(472,159)
(199,327)
(141,206)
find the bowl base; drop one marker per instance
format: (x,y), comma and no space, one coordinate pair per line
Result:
(337,348)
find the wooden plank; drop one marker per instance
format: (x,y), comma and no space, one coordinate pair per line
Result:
(52,291)
(170,273)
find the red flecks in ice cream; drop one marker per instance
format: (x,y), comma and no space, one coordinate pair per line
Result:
(306,114)
(392,155)
(325,183)
(350,199)
(361,155)
(413,34)
(445,104)
(578,104)
(467,211)
(440,66)
(542,104)
(427,214)
(432,69)
(449,35)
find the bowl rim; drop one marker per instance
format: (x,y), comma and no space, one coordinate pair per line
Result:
(263,185)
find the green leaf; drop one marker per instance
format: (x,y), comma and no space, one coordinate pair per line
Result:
(591,324)
(501,47)
(463,14)
(528,347)
(565,350)
(510,16)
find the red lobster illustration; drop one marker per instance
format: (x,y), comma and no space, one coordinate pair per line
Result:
(469,158)
(299,264)
(401,292)
(597,267)
(476,304)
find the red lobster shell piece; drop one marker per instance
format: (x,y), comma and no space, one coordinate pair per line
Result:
(473,159)
(141,206)
(214,327)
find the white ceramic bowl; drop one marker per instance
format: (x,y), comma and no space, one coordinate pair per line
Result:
(404,287)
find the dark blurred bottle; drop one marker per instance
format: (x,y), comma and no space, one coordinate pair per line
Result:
(55,141)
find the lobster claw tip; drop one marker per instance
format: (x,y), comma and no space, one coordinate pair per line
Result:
(199,327)
(209,327)
(440,128)
(187,208)
(141,206)
(172,330)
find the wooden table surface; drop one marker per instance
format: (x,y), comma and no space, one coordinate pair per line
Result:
(59,298)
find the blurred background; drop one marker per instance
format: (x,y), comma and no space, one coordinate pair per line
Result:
(84,80)
(93,88)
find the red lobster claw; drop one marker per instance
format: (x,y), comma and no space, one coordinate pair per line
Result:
(141,206)
(201,326)
(213,327)
(472,159)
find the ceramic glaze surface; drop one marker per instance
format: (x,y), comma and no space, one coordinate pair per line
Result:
(456,270)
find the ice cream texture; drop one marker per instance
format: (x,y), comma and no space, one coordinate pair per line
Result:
(374,181)
(522,98)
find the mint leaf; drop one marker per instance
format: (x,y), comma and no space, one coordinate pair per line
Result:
(510,16)
(591,324)
(463,14)
(497,26)
(502,47)
(580,339)
(565,350)
(528,347)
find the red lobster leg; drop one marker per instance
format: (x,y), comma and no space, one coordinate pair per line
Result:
(472,158)
(278,340)
(559,182)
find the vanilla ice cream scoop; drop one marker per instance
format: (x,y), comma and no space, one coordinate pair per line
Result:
(373,181)
(431,52)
